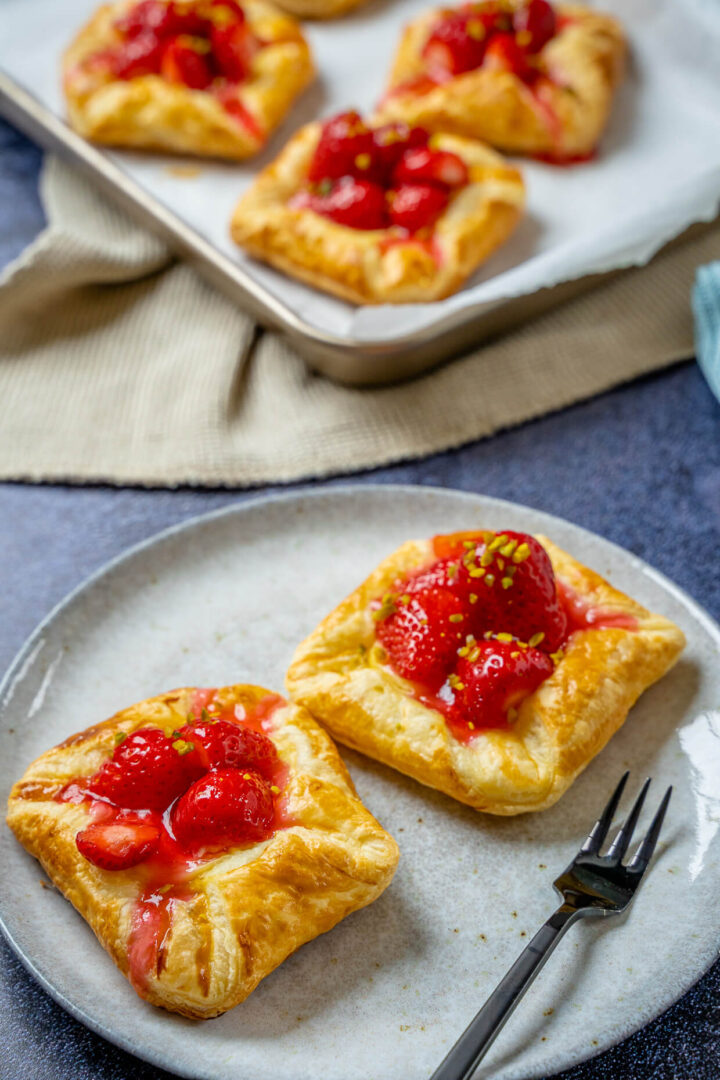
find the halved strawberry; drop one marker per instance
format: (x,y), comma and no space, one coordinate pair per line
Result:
(163,20)
(224,807)
(138,56)
(185,61)
(118,845)
(233,47)
(146,771)
(504,54)
(457,42)
(345,148)
(494,678)
(421,631)
(221,743)
(417,206)
(390,141)
(422,165)
(534,24)
(359,204)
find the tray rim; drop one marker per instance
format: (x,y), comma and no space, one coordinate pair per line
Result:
(198,520)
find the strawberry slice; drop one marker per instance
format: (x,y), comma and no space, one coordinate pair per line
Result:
(138,56)
(118,845)
(417,206)
(422,165)
(390,141)
(457,42)
(185,62)
(220,743)
(421,630)
(233,47)
(225,807)
(494,679)
(148,770)
(534,24)
(359,204)
(345,148)
(504,54)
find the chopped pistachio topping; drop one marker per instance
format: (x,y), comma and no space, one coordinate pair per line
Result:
(183,747)
(119,736)
(512,714)
(474,654)
(506,582)
(473,598)
(521,553)
(457,617)
(455,682)
(536,639)
(514,655)
(275,789)
(471,725)
(556,657)
(387,607)
(476,571)
(486,558)
(490,580)
(464,650)
(504,636)
(507,549)
(498,542)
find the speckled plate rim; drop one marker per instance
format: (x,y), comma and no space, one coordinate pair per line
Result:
(253,503)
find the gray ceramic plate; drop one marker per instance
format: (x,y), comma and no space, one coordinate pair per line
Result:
(224,599)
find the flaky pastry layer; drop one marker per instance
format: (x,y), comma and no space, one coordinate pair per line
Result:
(376,266)
(151,113)
(337,673)
(563,115)
(250,908)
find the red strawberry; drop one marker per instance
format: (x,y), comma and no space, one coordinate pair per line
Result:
(497,678)
(390,141)
(456,43)
(534,25)
(118,845)
(358,204)
(417,206)
(425,166)
(224,807)
(504,54)
(344,148)
(162,20)
(220,743)
(233,47)
(140,55)
(146,771)
(183,62)
(421,631)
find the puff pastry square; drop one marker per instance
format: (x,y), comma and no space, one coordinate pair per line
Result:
(226,119)
(341,675)
(241,913)
(378,266)
(559,114)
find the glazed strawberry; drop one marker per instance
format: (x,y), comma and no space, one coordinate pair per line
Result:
(224,807)
(118,845)
(494,678)
(233,47)
(504,54)
(162,20)
(390,141)
(146,771)
(421,631)
(344,149)
(417,206)
(184,61)
(220,743)
(534,24)
(456,44)
(358,204)
(422,165)
(140,55)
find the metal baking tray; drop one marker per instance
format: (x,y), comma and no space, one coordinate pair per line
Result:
(424,338)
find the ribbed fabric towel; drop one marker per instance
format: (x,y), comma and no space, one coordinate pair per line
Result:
(706,308)
(119,364)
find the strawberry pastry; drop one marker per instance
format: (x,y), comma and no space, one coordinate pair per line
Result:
(528,76)
(207,77)
(489,665)
(381,213)
(204,835)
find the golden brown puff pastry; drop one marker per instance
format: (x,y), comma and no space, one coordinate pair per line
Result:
(150,113)
(561,116)
(339,675)
(372,266)
(244,911)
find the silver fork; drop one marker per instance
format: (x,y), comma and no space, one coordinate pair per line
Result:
(593,884)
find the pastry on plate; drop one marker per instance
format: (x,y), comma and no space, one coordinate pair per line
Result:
(384,214)
(204,835)
(491,666)
(207,77)
(527,76)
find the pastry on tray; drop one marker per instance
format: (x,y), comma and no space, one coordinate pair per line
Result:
(204,835)
(383,214)
(206,77)
(527,76)
(490,666)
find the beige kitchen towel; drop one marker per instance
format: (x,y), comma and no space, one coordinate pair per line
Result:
(120,364)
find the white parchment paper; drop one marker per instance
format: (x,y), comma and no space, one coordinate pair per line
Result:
(658,170)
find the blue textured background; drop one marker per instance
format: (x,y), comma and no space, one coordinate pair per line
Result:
(640,465)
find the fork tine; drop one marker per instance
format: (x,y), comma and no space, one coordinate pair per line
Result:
(599,831)
(621,842)
(644,853)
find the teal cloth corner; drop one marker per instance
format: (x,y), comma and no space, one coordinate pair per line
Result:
(706,309)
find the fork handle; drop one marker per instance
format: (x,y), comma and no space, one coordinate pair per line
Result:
(477,1038)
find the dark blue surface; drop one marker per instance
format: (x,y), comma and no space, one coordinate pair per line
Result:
(640,465)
